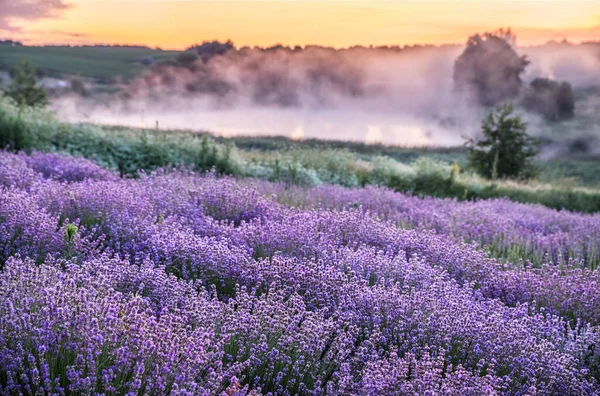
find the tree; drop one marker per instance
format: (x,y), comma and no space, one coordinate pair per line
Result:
(553,100)
(209,49)
(489,68)
(23,87)
(187,57)
(506,149)
(78,87)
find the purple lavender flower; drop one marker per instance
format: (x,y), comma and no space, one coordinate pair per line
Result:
(187,284)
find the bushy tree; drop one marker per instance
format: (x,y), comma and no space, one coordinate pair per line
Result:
(506,150)
(24,89)
(490,69)
(187,57)
(209,49)
(553,100)
(78,87)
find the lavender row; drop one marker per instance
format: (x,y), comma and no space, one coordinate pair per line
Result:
(507,229)
(109,326)
(198,202)
(186,284)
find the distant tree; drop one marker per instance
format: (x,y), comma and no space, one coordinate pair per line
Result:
(581,145)
(553,100)
(506,149)
(24,88)
(489,68)
(10,43)
(209,49)
(78,87)
(187,57)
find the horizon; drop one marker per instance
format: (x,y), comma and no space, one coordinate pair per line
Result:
(175,25)
(289,46)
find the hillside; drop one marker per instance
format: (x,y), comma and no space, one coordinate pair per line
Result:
(103,63)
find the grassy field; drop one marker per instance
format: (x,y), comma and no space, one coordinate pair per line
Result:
(573,170)
(104,63)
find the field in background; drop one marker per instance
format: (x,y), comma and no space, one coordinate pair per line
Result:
(102,63)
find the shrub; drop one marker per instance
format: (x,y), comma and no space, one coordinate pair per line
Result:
(14,132)
(126,150)
(505,150)
(23,88)
(553,100)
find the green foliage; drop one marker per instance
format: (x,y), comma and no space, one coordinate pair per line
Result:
(70,234)
(556,198)
(14,130)
(506,151)
(126,150)
(24,89)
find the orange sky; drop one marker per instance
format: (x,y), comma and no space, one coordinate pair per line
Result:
(339,23)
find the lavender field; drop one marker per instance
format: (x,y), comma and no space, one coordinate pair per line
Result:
(188,283)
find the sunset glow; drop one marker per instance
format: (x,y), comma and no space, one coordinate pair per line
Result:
(177,24)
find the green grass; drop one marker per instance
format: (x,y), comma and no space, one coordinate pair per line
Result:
(105,63)
(124,150)
(569,171)
(582,170)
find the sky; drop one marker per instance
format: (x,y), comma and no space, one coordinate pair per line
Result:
(176,24)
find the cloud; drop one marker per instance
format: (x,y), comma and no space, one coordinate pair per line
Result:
(70,34)
(16,10)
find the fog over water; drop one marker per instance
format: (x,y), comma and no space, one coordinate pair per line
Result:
(373,95)
(342,123)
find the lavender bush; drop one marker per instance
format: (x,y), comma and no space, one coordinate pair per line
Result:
(189,284)
(507,229)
